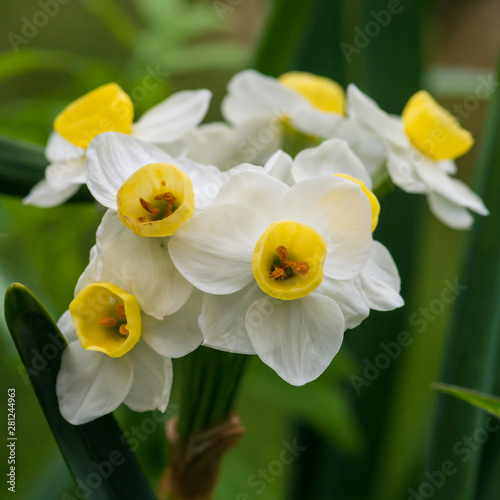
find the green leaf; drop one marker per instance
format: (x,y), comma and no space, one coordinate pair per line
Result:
(98,445)
(485,401)
(473,343)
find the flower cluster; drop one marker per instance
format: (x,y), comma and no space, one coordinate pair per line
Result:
(252,236)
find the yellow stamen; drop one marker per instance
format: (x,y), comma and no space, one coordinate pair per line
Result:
(301,252)
(120,311)
(321,92)
(123,330)
(149,208)
(433,130)
(108,322)
(106,109)
(92,312)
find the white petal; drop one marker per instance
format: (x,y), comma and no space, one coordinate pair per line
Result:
(366,110)
(448,166)
(59,149)
(174,117)
(179,333)
(253,190)
(380,280)
(279,166)
(45,196)
(449,213)
(340,211)
(331,157)
(349,297)
(296,338)
(313,121)
(401,168)
(92,272)
(65,324)
(63,174)
(222,319)
(152,381)
(214,249)
(91,384)
(454,190)
(206,181)
(252,95)
(367,145)
(141,266)
(112,158)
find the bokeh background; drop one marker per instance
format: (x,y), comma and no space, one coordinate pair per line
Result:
(367,446)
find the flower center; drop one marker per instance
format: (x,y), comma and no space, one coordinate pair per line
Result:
(155,200)
(433,130)
(288,260)
(106,319)
(283,268)
(321,92)
(374,203)
(106,109)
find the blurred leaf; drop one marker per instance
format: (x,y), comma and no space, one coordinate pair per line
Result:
(324,407)
(27,61)
(115,18)
(485,401)
(85,447)
(473,342)
(289,23)
(22,165)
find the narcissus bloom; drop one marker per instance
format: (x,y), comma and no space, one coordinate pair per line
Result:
(149,196)
(278,263)
(379,280)
(117,354)
(421,147)
(105,109)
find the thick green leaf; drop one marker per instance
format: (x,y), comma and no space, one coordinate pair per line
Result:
(485,401)
(22,165)
(289,24)
(97,453)
(473,342)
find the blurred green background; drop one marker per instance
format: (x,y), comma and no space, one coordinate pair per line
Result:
(370,446)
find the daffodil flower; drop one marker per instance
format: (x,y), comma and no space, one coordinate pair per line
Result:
(277,263)
(105,109)
(117,353)
(379,280)
(420,149)
(149,196)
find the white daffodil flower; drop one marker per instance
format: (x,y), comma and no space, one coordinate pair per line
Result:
(105,109)
(420,149)
(278,263)
(379,280)
(117,353)
(149,195)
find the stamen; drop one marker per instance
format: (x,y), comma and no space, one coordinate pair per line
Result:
(168,197)
(123,329)
(149,208)
(287,268)
(120,311)
(108,322)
